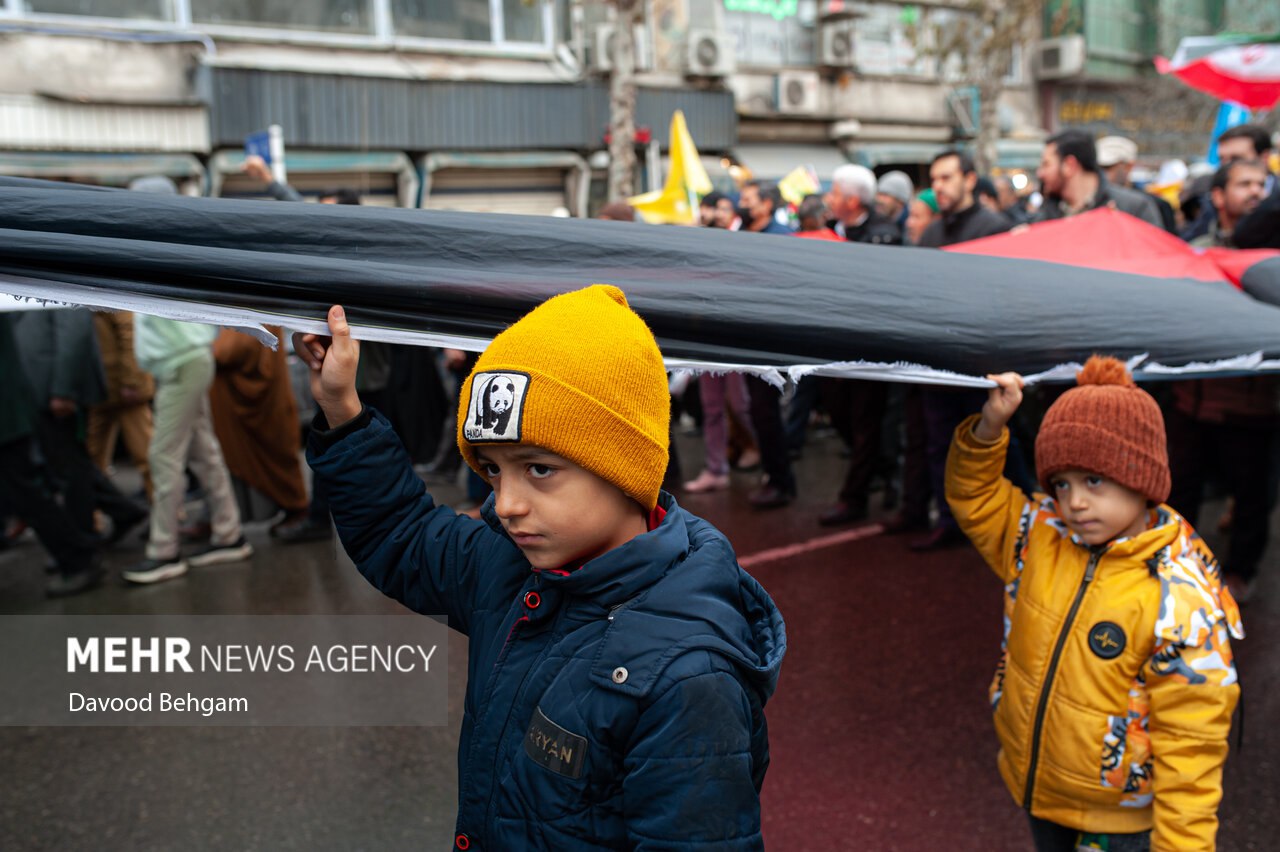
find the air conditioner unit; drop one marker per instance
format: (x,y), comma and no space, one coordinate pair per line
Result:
(835,43)
(602,48)
(709,53)
(1056,58)
(796,93)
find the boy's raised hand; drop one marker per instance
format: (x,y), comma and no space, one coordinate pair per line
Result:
(1002,401)
(333,360)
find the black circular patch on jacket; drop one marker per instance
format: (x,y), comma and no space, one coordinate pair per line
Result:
(1106,639)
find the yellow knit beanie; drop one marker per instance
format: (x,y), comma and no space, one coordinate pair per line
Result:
(579,375)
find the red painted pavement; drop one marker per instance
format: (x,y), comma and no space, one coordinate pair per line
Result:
(880,734)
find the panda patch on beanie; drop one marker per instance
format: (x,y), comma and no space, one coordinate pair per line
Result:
(1107,425)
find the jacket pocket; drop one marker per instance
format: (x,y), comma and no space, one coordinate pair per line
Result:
(1126,754)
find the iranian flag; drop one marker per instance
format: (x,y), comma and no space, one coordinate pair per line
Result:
(1241,69)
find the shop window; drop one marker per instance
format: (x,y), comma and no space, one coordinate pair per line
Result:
(1117,29)
(461,20)
(885,39)
(330,16)
(773,33)
(470,20)
(522,20)
(147,10)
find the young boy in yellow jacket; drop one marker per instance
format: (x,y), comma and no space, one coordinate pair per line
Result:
(1114,694)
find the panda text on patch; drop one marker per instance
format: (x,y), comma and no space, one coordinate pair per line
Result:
(497,401)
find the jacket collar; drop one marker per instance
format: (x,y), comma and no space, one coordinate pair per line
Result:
(1164,528)
(672,590)
(952,220)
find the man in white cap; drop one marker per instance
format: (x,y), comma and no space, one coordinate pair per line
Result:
(1116,156)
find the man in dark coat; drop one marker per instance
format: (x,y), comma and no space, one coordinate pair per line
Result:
(1242,142)
(59,352)
(953,178)
(23,489)
(852,202)
(1071,182)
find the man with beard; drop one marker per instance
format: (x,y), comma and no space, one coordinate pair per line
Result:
(962,218)
(1071,182)
(1237,190)
(757,204)
(953,178)
(1242,142)
(1225,426)
(852,204)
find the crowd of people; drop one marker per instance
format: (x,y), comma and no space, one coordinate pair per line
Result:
(206,412)
(897,438)
(591,596)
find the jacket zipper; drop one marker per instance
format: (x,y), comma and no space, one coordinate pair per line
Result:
(1043,706)
(553,628)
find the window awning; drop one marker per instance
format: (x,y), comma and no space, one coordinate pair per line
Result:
(311,171)
(876,154)
(772,162)
(1016,154)
(100,168)
(515,181)
(228,162)
(39,123)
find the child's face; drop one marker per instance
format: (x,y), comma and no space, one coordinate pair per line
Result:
(1096,508)
(557,513)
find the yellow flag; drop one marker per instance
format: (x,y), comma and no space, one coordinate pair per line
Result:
(677,201)
(801,181)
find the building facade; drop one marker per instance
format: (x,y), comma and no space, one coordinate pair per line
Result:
(1096,68)
(492,105)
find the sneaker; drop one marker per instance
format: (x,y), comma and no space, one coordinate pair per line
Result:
(62,585)
(215,554)
(304,530)
(155,570)
(707,481)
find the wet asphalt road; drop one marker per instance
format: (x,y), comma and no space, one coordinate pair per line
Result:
(879,731)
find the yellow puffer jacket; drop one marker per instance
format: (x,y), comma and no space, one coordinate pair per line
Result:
(1114,694)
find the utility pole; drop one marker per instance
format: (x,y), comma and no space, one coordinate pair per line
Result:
(622,100)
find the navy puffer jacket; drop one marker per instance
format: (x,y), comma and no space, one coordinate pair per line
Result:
(619,707)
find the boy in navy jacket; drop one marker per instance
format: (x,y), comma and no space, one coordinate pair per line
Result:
(620,659)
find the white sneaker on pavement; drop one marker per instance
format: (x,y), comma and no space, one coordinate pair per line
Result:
(216,554)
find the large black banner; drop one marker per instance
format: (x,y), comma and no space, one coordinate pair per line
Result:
(710,296)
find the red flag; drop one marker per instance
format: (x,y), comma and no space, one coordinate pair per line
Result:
(1115,241)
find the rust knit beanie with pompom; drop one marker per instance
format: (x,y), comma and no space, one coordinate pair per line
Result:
(1109,426)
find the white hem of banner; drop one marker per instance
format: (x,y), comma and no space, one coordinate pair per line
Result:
(26,291)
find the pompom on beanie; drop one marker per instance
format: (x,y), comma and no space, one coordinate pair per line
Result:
(1109,426)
